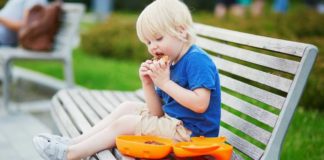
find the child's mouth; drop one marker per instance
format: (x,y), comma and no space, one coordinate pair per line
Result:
(158,56)
(162,57)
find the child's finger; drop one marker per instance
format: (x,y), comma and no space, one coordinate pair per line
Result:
(163,64)
(146,65)
(157,64)
(144,73)
(148,61)
(143,70)
(154,66)
(150,73)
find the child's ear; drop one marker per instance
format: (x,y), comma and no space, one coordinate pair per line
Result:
(182,31)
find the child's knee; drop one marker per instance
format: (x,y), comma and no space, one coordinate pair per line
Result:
(127,121)
(126,104)
(130,105)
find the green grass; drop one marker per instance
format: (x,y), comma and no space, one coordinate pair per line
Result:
(93,72)
(305,138)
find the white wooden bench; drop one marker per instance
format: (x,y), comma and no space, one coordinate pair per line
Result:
(262,81)
(62,52)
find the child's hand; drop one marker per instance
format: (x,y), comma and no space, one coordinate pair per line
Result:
(144,72)
(159,72)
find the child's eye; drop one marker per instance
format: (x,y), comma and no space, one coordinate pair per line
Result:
(159,39)
(148,42)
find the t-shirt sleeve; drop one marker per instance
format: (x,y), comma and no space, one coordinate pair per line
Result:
(30,3)
(201,72)
(158,92)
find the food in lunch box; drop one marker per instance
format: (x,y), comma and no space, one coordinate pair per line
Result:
(153,142)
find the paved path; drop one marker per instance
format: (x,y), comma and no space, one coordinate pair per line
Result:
(16,132)
(31,102)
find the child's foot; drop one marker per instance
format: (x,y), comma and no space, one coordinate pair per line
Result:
(64,140)
(50,149)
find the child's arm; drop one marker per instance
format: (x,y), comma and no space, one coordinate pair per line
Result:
(196,100)
(14,25)
(152,99)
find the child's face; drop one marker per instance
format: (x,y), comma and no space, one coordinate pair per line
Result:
(165,45)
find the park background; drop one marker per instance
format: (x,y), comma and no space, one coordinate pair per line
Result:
(109,55)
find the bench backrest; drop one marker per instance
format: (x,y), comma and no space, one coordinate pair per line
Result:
(262,80)
(68,34)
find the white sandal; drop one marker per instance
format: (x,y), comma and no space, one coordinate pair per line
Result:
(50,149)
(60,139)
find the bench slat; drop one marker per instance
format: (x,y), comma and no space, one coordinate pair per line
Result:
(253,111)
(111,98)
(253,92)
(92,102)
(132,96)
(268,79)
(87,110)
(66,122)
(103,101)
(277,63)
(58,123)
(76,114)
(70,22)
(120,96)
(241,144)
(246,127)
(106,154)
(278,45)
(140,94)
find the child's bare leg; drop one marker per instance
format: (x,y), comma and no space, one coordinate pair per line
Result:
(123,109)
(105,138)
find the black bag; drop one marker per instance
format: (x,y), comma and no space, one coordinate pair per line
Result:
(42,24)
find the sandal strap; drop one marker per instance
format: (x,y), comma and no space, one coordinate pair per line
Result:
(55,150)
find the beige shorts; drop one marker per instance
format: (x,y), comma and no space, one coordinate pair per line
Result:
(164,126)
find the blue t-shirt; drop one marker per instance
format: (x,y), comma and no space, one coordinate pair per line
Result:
(195,70)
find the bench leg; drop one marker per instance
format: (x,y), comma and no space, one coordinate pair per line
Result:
(68,73)
(5,84)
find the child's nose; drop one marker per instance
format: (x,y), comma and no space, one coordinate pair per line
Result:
(154,46)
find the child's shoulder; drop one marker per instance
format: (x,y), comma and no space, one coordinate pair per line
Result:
(197,53)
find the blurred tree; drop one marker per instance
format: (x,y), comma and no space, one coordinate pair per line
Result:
(2,2)
(133,5)
(138,5)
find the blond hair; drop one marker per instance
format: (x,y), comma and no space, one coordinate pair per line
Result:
(165,17)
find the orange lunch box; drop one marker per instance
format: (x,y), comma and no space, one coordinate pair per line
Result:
(156,147)
(151,147)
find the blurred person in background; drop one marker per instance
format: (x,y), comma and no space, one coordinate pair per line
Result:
(243,6)
(102,9)
(316,4)
(320,7)
(257,7)
(280,6)
(238,7)
(223,6)
(12,17)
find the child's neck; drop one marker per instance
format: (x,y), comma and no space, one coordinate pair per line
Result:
(184,48)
